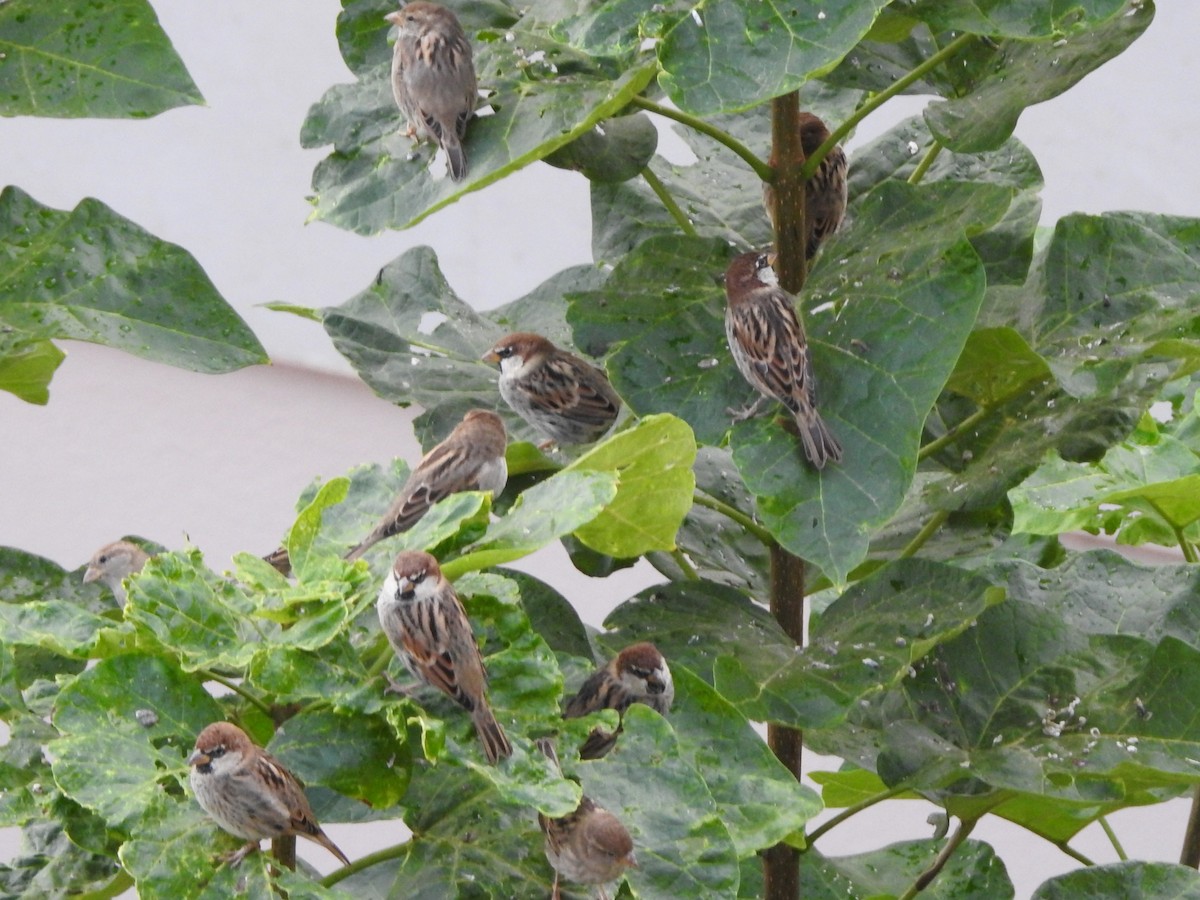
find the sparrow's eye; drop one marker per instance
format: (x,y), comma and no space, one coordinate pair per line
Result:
(504,352)
(216,752)
(103,559)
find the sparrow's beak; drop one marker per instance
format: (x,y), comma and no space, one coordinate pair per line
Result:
(631,861)
(393,17)
(719,279)
(92,574)
(654,685)
(199,758)
(491,357)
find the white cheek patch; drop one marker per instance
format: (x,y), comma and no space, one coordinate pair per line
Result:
(511,365)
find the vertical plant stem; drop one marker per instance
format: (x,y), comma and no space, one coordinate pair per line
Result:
(926,161)
(781,863)
(926,878)
(1190,856)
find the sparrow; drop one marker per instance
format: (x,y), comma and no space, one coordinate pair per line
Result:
(587,846)
(638,674)
(770,350)
(433,78)
(428,628)
(824,193)
(471,458)
(249,793)
(568,400)
(113,563)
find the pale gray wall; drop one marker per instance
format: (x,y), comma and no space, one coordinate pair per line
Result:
(130,446)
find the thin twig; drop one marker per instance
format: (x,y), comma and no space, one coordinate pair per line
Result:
(1190,855)
(1112,838)
(365,862)
(1073,853)
(954,433)
(854,810)
(923,881)
(761,169)
(238,689)
(661,192)
(881,98)
(708,501)
(926,161)
(936,521)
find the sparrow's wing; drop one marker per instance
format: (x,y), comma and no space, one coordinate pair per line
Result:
(577,390)
(774,340)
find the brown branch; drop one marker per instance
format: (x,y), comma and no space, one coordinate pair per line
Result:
(787,157)
(1190,856)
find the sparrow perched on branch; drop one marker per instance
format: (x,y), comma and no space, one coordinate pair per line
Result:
(428,628)
(638,674)
(249,793)
(565,398)
(587,846)
(770,350)
(113,563)
(824,193)
(433,78)
(471,458)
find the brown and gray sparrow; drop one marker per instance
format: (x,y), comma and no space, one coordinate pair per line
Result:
(825,194)
(471,458)
(587,846)
(428,628)
(568,400)
(249,793)
(770,350)
(113,563)
(433,78)
(638,674)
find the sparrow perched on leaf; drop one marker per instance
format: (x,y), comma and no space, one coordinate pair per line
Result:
(770,350)
(587,846)
(638,674)
(433,78)
(249,793)
(825,191)
(428,628)
(471,458)
(568,400)
(113,563)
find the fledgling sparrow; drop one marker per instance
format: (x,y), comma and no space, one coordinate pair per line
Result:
(433,78)
(587,846)
(562,396)
(768,345)
(113,563)
(825,192)
(638,674)
(471,458)
(249,793)
(428,628)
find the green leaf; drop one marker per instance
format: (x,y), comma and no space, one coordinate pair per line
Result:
(49,863)
(1014,18)
(907,261)
(354,754)
(110,762)
(866,642)
(26,367)
(1124,879)
(64,60)
(615,150)
(758,800)
(1006,248)
(729,56)
(304,530)
(1089,290)
(1134,480)
(561,504)
(654,491)
(973,870)
(203,618)
(92,275)
(1022,73)
(552,616)
(996,364)
(682,846)
(543,94)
